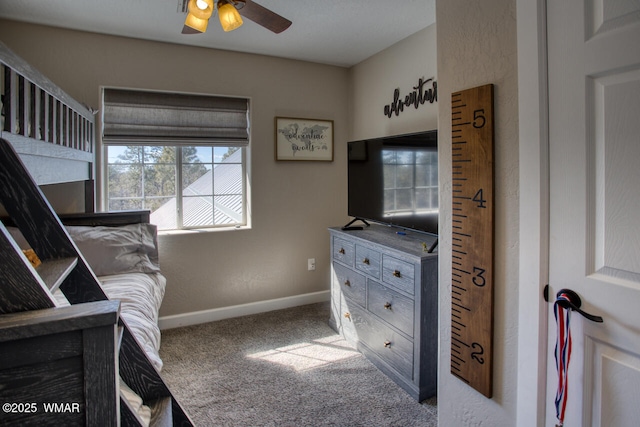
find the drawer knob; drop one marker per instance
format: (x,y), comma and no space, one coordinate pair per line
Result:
(387,344)
(347,315)
(387,305)
(347,283)
(366,261)
(341,251)
(396,273)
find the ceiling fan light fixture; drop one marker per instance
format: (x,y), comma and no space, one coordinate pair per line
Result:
(230,19)
(199,25)
(198,17)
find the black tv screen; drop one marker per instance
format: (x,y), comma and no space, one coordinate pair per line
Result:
(394,180)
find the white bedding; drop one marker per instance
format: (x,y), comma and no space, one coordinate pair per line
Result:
(140,296)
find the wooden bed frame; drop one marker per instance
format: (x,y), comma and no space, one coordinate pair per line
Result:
(54,354)
(71,356)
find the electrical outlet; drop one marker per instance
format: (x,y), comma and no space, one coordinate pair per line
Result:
(311,264)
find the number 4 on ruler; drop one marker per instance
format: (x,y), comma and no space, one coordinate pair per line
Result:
(472,237)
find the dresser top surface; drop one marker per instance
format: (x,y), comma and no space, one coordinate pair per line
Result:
(407,241)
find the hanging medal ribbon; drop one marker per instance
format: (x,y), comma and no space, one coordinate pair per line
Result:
(562,353)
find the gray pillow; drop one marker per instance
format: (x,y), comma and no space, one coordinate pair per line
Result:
(130,248)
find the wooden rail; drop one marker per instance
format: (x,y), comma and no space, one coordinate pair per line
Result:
(34,107)
(42,121)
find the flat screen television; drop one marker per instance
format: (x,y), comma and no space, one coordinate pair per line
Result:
(394,181)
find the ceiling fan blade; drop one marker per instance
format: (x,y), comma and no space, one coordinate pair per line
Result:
(188,30)
(263,16)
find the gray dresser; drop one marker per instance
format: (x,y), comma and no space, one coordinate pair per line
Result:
(384,301)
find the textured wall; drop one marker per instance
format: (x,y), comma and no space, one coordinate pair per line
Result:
(372,84)
(476,46)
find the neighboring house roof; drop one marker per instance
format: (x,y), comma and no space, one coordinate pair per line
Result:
(222,182)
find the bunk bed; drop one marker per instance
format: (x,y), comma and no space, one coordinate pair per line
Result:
(74,330)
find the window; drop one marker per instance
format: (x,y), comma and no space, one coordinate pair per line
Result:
(180,156)
(410,181)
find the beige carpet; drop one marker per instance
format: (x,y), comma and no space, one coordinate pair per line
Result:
(283,368)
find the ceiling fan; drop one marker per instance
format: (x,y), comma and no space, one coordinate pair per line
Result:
(230,13)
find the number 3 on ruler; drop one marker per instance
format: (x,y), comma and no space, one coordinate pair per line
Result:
(478,278)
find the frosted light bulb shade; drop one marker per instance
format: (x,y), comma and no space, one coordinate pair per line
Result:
(230,19)
(196,23)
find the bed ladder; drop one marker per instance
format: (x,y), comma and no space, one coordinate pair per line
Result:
(23,288)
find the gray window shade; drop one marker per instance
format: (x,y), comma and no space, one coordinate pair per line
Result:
(159,118)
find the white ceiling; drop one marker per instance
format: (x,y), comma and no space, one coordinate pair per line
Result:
(339,33)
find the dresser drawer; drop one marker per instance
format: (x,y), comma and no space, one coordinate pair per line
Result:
(389,345)
(351,284)
(390,306)
(343,251)
(368,260)
(348,312)
(399,274)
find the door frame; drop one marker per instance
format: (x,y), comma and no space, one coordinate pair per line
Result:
(533,106)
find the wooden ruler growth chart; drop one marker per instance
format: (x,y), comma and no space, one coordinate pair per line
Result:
(472,238)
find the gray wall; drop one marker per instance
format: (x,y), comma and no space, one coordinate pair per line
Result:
(373,81)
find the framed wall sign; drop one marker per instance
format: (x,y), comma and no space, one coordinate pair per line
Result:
(303,139)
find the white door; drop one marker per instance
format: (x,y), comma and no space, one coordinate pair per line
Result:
(594,137)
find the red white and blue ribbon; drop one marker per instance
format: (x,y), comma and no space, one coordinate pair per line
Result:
(563,355)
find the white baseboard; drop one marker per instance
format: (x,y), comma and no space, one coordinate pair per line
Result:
(204,316)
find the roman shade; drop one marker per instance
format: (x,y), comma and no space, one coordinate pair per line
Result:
(164,118)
